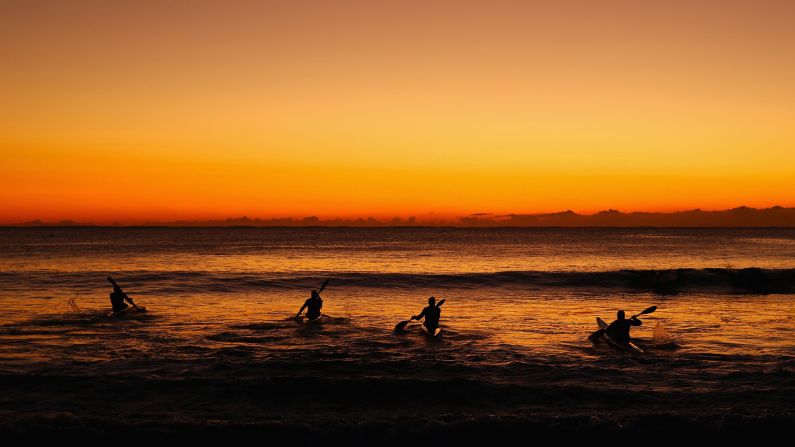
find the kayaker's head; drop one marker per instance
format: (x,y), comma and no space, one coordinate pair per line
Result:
(620,315)
(315,294)
(431,301)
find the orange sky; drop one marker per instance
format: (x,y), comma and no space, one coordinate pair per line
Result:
(135,111)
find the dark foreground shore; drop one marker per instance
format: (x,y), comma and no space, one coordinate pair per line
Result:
(447,429)
(380,411)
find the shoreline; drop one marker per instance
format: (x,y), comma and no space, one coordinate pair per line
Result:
(307,410)
(443,429)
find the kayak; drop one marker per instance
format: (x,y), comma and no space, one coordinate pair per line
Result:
(427,331)
(303,320)
(127,312)
(313,320)
(631,347)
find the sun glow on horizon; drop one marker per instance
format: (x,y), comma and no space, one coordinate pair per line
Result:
(138,111)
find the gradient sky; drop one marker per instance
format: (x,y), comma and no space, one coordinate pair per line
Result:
(135,111)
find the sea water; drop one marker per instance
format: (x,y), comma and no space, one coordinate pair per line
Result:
(218,344)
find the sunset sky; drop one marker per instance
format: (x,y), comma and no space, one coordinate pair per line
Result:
(136,111)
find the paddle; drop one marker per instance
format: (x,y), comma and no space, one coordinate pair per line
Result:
(600,332)
(400,326)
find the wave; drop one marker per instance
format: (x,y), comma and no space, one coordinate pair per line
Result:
(669,281)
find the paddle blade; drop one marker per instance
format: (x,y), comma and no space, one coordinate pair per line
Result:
(402,325)
(324,285)
(649,310)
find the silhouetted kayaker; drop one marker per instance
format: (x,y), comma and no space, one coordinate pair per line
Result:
(312,306)
(431,313)
(118,297)
(618,331)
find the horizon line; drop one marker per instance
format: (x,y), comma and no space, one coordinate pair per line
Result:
(743,216)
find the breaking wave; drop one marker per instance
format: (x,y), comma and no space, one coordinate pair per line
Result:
(669,281)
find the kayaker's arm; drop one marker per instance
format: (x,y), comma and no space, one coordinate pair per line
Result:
(306,303)
(635,322)
(130,300)
(417,317)
(439,304)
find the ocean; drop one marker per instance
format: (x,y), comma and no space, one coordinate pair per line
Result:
(218,352)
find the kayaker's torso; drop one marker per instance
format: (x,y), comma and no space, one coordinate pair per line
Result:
(618,331)
(313,306)
(432,315)
(117,300)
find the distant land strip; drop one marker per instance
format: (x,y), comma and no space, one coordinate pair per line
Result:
(743,216)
